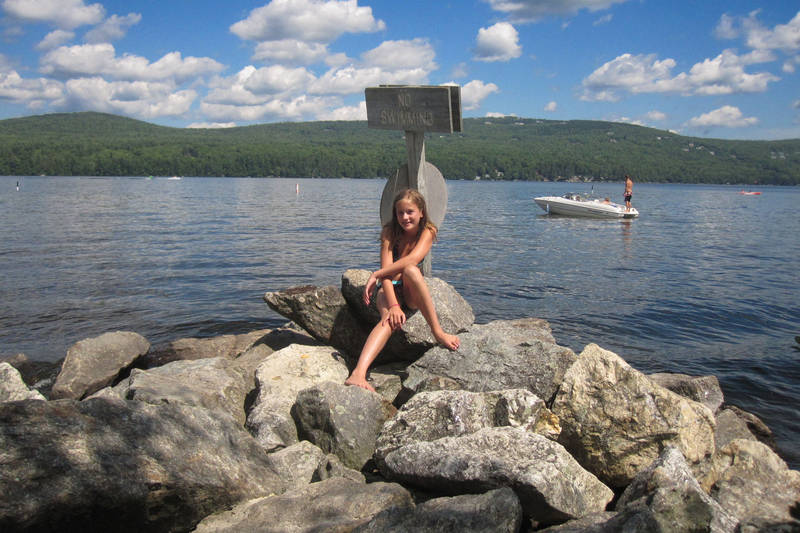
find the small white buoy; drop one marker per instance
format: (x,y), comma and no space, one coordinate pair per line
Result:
(297,188)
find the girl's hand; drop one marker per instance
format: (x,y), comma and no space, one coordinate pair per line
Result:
(372,282)
(396,317)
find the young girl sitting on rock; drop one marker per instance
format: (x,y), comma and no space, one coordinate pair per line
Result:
(405,241)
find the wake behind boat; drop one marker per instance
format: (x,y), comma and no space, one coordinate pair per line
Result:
(575,205)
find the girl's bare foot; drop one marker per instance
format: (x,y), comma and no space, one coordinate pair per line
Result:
(451,342)
(356,382)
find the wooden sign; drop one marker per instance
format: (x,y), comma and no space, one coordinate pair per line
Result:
(414,108)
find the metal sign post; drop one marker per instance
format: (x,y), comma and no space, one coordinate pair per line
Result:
(415,110)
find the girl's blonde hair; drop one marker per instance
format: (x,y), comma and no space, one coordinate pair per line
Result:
(392,229)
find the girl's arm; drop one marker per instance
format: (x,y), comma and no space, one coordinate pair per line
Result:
(386,282)
(395,317)
(414,257)
(390,268)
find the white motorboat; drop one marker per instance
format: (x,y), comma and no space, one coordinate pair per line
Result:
(576,205)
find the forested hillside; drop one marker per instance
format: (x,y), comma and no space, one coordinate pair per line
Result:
(96,144)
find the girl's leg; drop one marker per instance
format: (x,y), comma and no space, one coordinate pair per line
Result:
(372,347)
(417,296)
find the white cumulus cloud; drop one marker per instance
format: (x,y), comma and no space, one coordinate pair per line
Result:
(356,112)
(656,116)
(290,52)
(66,14)
(629,120)
(54,39)
(253,86)
(533,10)
(474,92)
(725,74)
(298,108)
(784,37)
(113,28)
(101,60)
(144,99)
(293,93)
(460,70)
(790,65)
(499,42)
(726,27)
(726,116)
(33,93)
(298,32)
(633,73)
(400,55)
(605,19)
(211,125)
(551,106)
(277,79)
(406,62)
(637,74)
(306,20)
(352,79)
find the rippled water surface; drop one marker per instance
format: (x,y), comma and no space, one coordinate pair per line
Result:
(704,282)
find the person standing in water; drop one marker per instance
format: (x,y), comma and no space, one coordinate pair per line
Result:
(628,192)
(405,241)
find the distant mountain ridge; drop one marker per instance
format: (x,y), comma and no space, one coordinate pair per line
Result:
(98,144)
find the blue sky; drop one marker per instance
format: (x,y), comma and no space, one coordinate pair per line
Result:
(710,69)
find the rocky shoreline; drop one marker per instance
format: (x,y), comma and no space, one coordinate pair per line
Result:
(257,432)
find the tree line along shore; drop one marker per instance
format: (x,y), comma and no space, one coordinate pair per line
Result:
(506,148)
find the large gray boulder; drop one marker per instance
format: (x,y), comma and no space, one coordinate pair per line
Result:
(769,526)
(667,494)
(278,380)
(336,505)
(504,354)
(323,313)
(215,384)
(521,331)
(495,511)
(415,337)
(729,427)
(341,420)
(388,380)
(429,416)
(303,463)
(95,363)
(752,482)
(616,421)
(38,375)
(703,389)
(13,388)
(551,485)
(756,426)
(277,339)
(596,523)
(126,466)
(192,348)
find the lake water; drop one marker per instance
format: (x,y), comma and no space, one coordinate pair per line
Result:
(704,282)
